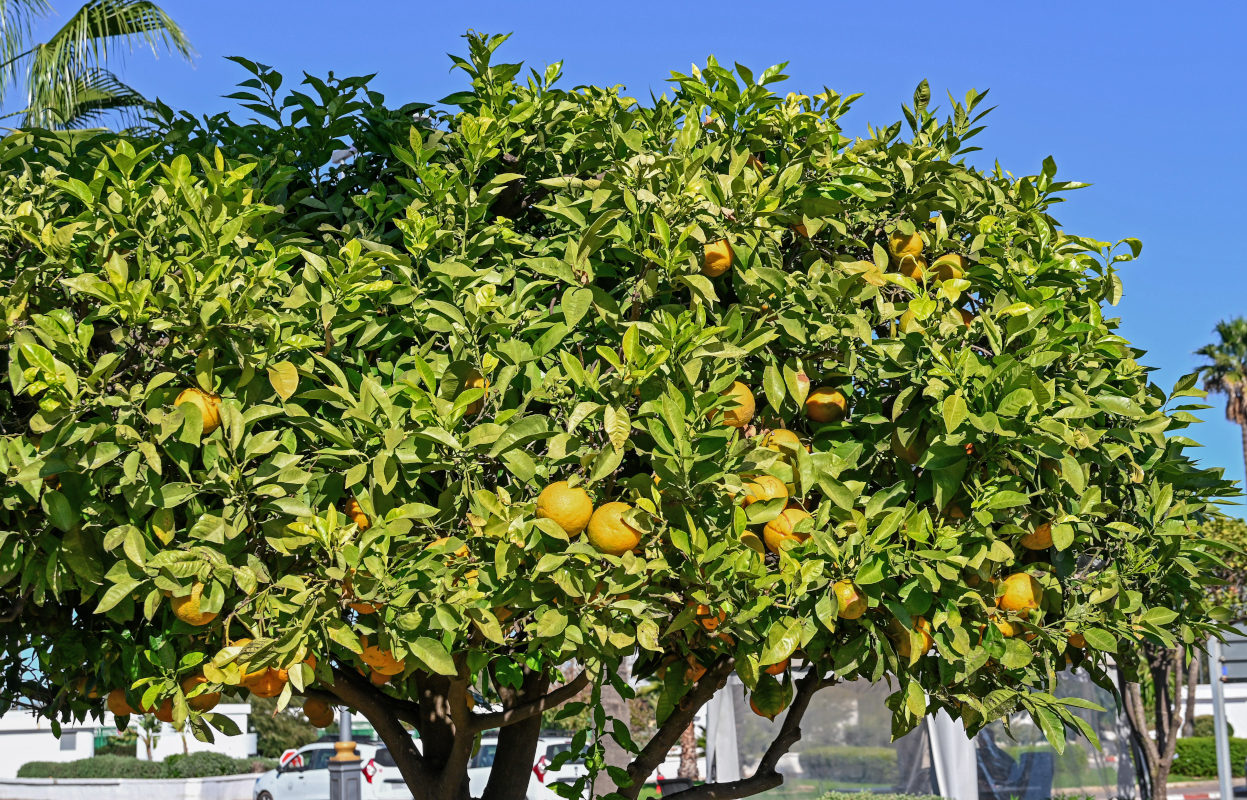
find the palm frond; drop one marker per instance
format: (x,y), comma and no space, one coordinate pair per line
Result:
(97,94)
(1226,370)
(84,44)
(17,18)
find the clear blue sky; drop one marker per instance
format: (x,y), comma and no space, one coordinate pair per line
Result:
(1142,99)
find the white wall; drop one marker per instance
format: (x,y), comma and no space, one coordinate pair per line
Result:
(228,787)
(25,736)
(170,741)
(1235,705)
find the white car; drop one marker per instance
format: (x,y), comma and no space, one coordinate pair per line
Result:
(543,770)
(304,775)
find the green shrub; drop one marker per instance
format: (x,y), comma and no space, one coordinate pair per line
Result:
(194,765)
(876,765)
(1197,757)
(1204,726)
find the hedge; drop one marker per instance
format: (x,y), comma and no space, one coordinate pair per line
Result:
(878,796)
(1197,757)
(1204,726)
(195,765)
(876,765)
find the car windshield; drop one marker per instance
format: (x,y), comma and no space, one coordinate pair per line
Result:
(563,747)
(485,755)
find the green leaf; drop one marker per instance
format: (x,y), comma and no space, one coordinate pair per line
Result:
(954,412)
(284,378)
(433,655)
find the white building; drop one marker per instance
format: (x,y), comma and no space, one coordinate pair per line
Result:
(25,737)
(1235,705)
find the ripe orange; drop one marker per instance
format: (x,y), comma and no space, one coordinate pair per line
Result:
(777,669)
(1077,640)
(610,533)
(716,258)
(1038,539)
(474,380)
(781,438)
(909,453)
(801,231)
(267,682)
(949,266)
(763,488)
(82,690)
(378,678)
(356,513)
(359,606)
(782,528)
(209,406)
(187,608)
(849,600)
(901,245)
(318,712)
(694,671)
(203,702)
(118,704)
(912,267)
(826,404)
(1006,628)
(903,641)
(162,712)
(769,707)
(380,659)
(740,405)
(966,317)
(460,552)
(570,509)
(707,618)
(1021,593)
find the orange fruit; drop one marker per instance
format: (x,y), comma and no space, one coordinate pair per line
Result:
(767,707)
(378,678)
(949,266)
(901,245)
(826,404)
(777,669)
(954,511)
(966,317)
(610,533)
(356,513)
(202,702)
(267,682)
(570,509)
(1077,640)
(908,453)
(755,161)
(763,488)
(801,231)
(1006,628)
(1021,593)
(708,619)
(118,704)
(82,690)
(460,552)
(903,641)
(694,672)
(780,438)
(1038,539)
(740,405)
(716,258)
(359,606)
(783,528)
(187,608)
(849,600)
(381,660)
(162,712)
(912,267)
(209,406)
(474,380)
(318,712)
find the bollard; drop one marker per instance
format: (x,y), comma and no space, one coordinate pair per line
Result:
(344,772)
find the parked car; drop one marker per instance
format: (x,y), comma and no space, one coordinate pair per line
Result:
(304,775)
(548,747)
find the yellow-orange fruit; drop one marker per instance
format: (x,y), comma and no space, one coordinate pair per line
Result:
(716,258)
(901,245)
(1038,539)
(356,514)
(1021,593)
(118,704)
(203,702)
(903,642)
(777,669)
(826,404)
(783,528)
(949,266)
(570,509)
(209,406)
(610,533)
(740,405)
(707,618)
(781,438)
(474,380)
(763,488)
(849,600)
(187,608)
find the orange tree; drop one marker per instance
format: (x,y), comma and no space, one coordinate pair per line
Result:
(557,381)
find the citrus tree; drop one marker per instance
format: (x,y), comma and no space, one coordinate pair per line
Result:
(555,384)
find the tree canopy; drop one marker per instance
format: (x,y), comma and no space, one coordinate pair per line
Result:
(283,397)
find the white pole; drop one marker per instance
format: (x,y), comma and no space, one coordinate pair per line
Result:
(1216,675)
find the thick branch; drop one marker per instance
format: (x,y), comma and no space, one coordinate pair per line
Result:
(1137,714)
(517,743)
(510,716)
(362,696)
(15,610)
(655,751)
(765,777)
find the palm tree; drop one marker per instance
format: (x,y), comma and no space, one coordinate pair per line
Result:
(1227,371)
(66,79)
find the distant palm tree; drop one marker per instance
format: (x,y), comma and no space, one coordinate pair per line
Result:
(1227,371)
(66,79)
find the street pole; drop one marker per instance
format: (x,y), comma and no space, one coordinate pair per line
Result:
(1216,676)
(344,772)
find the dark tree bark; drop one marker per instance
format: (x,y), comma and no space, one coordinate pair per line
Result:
(1172,672)
(688,753)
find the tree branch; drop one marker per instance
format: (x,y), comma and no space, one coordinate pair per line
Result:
(362,696)
(655,751)
(510,716)
(765,777)
(15,610)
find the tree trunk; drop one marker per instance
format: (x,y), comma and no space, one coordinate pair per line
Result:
(517,744)
(616,707)
(1242,432)
(688,753)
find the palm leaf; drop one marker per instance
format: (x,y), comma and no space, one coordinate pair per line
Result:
(97,94)
(67,61)
(17,19)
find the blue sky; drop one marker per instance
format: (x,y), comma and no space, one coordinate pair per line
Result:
(1142,99)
